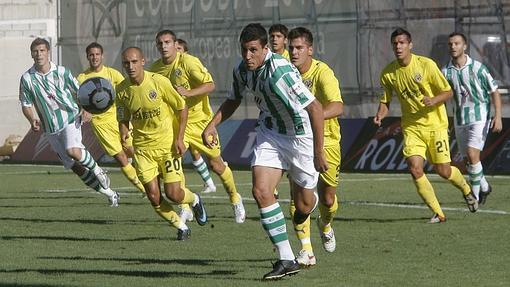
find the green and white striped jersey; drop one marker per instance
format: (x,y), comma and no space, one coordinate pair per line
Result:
(472,86)
(52,96)
(279,93)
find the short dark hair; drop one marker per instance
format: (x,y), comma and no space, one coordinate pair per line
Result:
(39,41)
(279,28)
(166,32)
(183,43)
(94,45)
(253,32)
(301,32)
(458,34)
(401,31)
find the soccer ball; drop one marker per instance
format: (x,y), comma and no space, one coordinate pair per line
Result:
(96,95)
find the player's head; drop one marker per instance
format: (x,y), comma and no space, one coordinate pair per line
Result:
(457,44)
(253,40)
(181,45)
(165,43)
(39,49)
(278,37)
(300,46)
(133,61)
(95,55)
(402,44)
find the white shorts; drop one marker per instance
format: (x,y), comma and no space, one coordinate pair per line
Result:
(295,155)
(69,137)
(472,135)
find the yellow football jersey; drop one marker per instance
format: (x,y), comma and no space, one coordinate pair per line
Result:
(321,81)
(112,75)
(188,71)
(286,54)
(150,107)
(411,83)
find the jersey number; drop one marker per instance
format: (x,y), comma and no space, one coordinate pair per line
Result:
(172,167)
(441,146)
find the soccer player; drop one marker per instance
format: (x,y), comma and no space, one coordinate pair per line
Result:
(51,90)
(105,125)
(198,162)
(289,137)
(149,102)
(278,39)
(473,87)
(321,81)
(194,83)
(181,46)
(422,91)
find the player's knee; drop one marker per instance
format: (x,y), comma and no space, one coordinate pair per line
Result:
(217,165)
(444,171)
(416,171)
(300,217)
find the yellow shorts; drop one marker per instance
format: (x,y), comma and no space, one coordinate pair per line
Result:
(193,139)
(151,163)
(431,145)
(334,158)
(109,137)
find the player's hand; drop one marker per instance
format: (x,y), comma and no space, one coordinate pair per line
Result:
(180,148)
(428,101)
(496,125)
(35,125)
(210,136)
(320,163)
(123,139)
(377,120)
(85,116)
(182,91)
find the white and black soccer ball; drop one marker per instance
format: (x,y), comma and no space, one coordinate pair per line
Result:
(96,95)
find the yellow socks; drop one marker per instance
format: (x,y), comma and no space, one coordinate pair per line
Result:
(302,230)
(130,172)
(166,211)
(327,215)
(426,191)
(228,182)
(457,179)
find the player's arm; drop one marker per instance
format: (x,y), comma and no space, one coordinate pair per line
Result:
(332,110)
(182,116)
(204,88)
(330,87)
(438,83)
(496,124)
(315,113)
(210,134)
(124,131)
(384,104)
(438,99)
(382,112)
(35,124)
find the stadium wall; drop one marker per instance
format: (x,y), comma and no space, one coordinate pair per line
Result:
(365,147)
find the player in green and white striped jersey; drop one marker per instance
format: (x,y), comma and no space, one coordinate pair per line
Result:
(474,90)
(289,137)
(51,90)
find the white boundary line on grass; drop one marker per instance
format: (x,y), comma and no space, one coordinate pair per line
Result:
(360,203)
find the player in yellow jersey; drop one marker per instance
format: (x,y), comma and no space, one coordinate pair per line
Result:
(194,83)
(105,125)
(422,90)
(321,81)
(278,39)
(150,103)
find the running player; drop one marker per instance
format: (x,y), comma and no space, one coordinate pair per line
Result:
(105,125)
(473,88)
(289,137)
(194,83)
(51,90)
(278,39)
(149,102)
(321,81)
(422,91)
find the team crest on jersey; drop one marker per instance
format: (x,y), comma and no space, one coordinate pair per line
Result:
(417,78)
(177,73)
(308,83)
(153,95)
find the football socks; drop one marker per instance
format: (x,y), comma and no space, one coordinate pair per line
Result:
(203,171)
(457,179)
(273,221)
(426,191)
(130,172)
(228,182)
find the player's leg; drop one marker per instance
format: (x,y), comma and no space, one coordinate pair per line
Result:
(305,256)
(201,168)
(414,151)
(476,136)
(439,155)
(175,189)
(148,171)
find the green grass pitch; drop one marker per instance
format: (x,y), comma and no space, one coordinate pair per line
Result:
(55,232)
